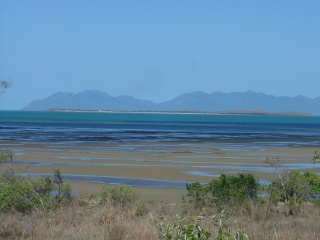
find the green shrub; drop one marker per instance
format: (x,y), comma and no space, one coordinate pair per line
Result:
(24,195)
(197,192)
(122,196)
(196,230)
(316,157)
(141,209)
(294,189)
(5,155)
(226,190)
(16,194)
(313,181)
(233,190)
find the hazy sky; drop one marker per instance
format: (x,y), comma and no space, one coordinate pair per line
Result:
(156,50)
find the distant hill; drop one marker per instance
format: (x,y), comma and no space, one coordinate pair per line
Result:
(195,101)
(89,100)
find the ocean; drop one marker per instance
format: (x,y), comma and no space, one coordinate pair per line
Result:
(156,127)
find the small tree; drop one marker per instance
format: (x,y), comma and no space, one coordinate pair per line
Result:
(121,196)
(226,190)
(24,195)
(197,192)
(233,190)
(292,188)
(63,190)
(316,157)
(5,156)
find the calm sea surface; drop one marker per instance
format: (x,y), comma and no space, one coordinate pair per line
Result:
(154,127)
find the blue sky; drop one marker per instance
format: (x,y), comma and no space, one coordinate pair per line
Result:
(157,50)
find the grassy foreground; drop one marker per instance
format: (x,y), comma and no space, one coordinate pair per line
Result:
(102,217)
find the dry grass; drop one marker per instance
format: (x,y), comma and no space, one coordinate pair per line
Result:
(93,221)
(77,222)
(259,223)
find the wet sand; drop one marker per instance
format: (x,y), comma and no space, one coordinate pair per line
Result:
(175,162)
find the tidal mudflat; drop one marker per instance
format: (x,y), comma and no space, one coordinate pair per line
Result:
(159,169)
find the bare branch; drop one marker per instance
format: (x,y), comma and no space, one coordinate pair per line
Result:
(3,86)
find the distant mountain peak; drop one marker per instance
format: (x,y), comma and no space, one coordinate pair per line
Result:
(192,101)
(94,91)
(58,95)
(125,96)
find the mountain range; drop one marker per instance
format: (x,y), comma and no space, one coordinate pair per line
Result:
(194,101)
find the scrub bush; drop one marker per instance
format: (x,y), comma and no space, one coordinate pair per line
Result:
(197,192)
(294,188)
(233,190)
(226,190)
(24,195)
(5,155)
(124,197)
(316,157)
(15,194)
(218,228)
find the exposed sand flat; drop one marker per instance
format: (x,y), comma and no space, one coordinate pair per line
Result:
(148,194)
(173,161)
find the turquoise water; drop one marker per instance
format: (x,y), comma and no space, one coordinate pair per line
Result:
(105,117)
(128,127)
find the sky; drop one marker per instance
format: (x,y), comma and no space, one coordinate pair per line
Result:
(157,50)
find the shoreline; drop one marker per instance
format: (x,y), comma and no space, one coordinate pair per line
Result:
(233,112)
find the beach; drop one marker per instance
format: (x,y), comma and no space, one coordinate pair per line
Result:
(159,170)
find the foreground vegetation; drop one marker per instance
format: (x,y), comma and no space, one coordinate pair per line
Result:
(230,207)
